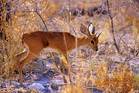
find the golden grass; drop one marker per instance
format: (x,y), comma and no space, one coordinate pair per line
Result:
(119,80)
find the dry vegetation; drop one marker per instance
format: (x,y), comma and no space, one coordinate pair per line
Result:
(113,69)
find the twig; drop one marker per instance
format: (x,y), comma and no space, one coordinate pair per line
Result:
(94,18)
(112,26)
(42,20)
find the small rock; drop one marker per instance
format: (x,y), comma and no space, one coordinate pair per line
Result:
(37,86)
(98,92)
(134,61)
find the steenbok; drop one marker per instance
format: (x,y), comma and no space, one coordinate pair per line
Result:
(60,41)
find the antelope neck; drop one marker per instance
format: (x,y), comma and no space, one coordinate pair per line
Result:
(83,40)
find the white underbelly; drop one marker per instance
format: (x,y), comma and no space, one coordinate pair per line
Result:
(46,51)
(50,50)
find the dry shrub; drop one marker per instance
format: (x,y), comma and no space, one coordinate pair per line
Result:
(78,85)
(7,55)
(72,89)
(119,80)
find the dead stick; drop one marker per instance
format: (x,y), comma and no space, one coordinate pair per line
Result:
(112,26)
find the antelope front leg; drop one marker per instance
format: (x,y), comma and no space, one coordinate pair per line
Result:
(65,65)
(63,72)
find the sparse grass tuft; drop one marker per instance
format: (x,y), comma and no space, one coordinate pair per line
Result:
(119,80)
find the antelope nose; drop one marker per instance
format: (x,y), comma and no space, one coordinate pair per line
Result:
(96,49)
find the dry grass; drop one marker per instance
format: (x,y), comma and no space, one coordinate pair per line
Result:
(99,77)
(119,80)
(96,72)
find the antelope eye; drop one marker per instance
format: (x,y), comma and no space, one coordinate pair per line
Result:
(92,41)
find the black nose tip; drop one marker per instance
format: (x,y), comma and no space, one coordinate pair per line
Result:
(96,49)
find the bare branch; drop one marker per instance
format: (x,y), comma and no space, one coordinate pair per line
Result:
(42,20)
(112,26)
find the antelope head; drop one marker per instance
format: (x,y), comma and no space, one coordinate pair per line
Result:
(92,37)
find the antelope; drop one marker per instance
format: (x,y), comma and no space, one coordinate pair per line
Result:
(63,42)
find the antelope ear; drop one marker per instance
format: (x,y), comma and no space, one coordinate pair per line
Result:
(91,28)
(84,30)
